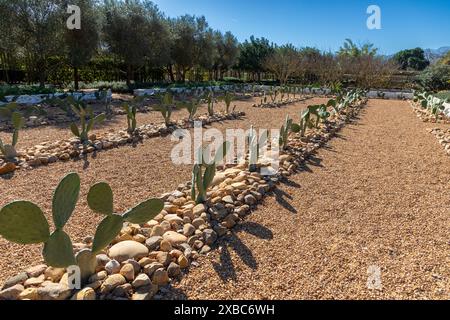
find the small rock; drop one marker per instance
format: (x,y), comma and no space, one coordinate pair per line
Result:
(99,276)
(188,229)
(145,261)
(145,293)
(250,200)
(173,270)
(160,277)
(157,231)
(54,291)
(174,238)
(165,246)
(128,250)
(228,199)
(84,294)
(102,261)
(36,271)
(163,257)
(198,210)
(152,243)
(7,168)
(205,249)
(123,290)
(54,274)
(29,294)
(198,222)
(112,282)
(112,267)
(11,293)
(141,280)
(32,282)
(18,279)
(210,236)
(152,267)
(127,271)
(183,262)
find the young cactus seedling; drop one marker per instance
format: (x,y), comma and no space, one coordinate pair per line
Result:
(131,117)
(190,106)
(210,101)
(228,99)
(9,150)
(204,171)
(87,122)
(165,107)
(254,145)
(103,96)
(284,132)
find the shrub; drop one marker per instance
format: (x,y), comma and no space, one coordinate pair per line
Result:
(435,78)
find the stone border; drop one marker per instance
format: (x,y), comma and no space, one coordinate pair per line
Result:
(443,136)
(65,150)
(280,104)
(426,116)
(143,259)
(38,98)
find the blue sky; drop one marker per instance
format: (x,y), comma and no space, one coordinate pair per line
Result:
(325,23)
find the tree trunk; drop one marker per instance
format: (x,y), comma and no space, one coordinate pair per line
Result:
(41,79)
(75,78)
(129,75)
(171,75)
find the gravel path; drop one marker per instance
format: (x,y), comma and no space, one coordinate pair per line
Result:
(379,195)
(135,174)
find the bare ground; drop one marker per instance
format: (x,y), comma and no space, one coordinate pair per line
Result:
(379,195)
(134,173)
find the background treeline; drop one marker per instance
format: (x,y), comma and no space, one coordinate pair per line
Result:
(134,42)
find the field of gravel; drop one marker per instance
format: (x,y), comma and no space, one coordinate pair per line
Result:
(134,173)
(377,197)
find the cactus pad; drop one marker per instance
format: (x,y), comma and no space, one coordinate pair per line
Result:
(65,199)
(87,261)
(144,212)
(107,230)
(100,198)
(23,222)
(58,250)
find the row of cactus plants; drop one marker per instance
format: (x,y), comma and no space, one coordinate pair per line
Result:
(430,103)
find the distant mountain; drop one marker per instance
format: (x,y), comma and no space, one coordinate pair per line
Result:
(435,54)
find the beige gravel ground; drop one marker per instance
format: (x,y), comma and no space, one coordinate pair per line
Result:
(135,174)
(379,195)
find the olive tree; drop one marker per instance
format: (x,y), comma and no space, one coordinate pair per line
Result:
(129,31)
(81,44)
(228,52)
(253,54)
(40,25)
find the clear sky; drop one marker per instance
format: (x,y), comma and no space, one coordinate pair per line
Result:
(325,24)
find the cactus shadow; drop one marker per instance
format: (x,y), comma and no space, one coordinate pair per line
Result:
(8,176)
(225,268)
(282,198)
